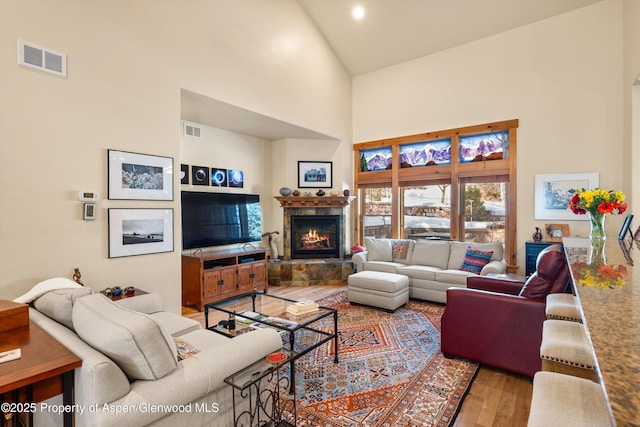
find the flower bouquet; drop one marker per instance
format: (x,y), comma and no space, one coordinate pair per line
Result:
(597,203)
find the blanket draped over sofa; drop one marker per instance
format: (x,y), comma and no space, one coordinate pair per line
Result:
(432,266)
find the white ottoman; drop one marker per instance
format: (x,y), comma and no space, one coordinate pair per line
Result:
(378,289)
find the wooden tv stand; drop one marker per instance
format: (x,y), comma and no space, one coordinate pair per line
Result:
(216,276)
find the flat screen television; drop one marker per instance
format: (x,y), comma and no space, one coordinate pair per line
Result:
(215,219)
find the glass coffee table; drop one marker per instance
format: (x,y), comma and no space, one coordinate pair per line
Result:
(300,335)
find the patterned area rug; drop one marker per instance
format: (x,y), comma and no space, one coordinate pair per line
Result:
(391,370)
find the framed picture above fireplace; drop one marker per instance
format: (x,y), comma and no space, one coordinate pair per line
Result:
(315,174)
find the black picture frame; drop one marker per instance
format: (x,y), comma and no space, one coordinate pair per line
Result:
(315,174)
(137,176)
(140,231)
(626,228)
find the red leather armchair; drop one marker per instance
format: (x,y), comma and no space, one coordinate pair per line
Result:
(498,322)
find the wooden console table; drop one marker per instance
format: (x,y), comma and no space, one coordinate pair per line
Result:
(609,292)
(218,275)
(45,370)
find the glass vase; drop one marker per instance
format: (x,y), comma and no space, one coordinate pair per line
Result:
(597,226)
(597,256)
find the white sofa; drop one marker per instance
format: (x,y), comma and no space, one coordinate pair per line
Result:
(432,266)
(130,370)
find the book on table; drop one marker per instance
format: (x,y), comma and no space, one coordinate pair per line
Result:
(302,307)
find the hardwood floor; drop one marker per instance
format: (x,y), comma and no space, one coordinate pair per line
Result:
(496,398)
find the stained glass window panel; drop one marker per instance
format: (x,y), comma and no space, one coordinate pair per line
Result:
(425,153)
(486,146)
(375,159)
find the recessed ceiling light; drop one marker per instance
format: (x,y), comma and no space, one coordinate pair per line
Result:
(358,12)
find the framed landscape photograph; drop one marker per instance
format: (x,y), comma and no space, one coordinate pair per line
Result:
(554,191)
(315,174)
(134,176)
(140,231)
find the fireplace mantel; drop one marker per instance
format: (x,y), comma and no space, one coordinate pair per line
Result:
(314,201)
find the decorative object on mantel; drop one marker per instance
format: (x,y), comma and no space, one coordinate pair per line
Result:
(597,203)
(346,192)
(537,235)
(285,191)
(296,193)
(333,194)
(320,193)
(312,201)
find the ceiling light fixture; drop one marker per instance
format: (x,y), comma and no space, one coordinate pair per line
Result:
(358,12)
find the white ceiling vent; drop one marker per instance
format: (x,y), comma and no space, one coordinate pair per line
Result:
(43,59)
(191,130)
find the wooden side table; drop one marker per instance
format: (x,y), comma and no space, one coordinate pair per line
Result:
(44,370)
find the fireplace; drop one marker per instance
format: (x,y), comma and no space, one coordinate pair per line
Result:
(315,236)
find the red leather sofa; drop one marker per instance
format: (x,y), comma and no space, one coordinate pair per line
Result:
(498,321)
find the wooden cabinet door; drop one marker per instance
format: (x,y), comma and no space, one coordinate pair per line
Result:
(245,277)
(250,274)
(219,281)
(210,283)
(260,274)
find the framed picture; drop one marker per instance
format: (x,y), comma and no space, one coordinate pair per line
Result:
(554,191)
(200,175)
(625,228)
(236,178)
(555,232)
(218,177)
(184,174)
(134,176)
(315,174)
(140,231)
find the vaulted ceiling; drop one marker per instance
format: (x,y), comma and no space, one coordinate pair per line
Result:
(395,31)
(391,32)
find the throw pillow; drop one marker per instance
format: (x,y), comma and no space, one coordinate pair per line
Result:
(378,249)
(58,304)
(141,347)
(475,260)
(400,248)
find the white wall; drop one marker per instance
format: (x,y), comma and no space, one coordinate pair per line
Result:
(561,77)
(219,148)
(127,62)
(631,88)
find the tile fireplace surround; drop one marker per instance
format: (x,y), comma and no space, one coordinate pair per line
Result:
(308,272)
(303,205)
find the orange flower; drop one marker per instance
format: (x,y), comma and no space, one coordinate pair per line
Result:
(605,207)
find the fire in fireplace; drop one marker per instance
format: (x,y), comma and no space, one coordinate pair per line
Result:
(315,236)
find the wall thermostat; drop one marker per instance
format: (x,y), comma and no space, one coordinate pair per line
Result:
(89,196)
(89,212)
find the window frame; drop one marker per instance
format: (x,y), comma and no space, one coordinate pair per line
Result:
(455,172)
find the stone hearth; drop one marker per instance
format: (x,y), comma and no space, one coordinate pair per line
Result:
(310,272)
